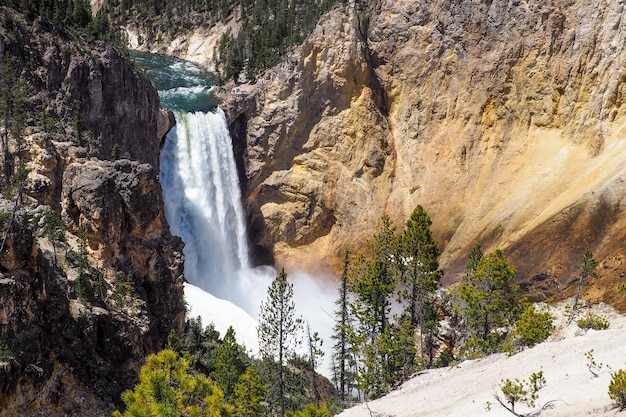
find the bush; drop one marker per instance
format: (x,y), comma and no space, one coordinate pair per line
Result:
(593,366)
(593,321)
(310,411)
(520,392)
(168,386)
(533,326)
(5,352)
(617,388)
(124,287)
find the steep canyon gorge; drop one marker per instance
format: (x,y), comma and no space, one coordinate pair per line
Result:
(80,311)
(504,119)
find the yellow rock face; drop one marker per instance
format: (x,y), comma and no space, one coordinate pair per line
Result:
(505,120)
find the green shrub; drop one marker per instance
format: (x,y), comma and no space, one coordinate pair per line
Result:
(536,381)
(82,287)
(115,152)
(518,391)
(593,366)
(310,411)
(124,287)
(617,388)
(5,352)
(533,326)
(593,321)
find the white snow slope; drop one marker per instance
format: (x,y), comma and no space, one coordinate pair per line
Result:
(467,388)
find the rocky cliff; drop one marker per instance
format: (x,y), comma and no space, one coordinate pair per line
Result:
(504,119)
(83,302)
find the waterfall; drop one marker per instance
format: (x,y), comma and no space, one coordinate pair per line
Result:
(203,206)
(203,201)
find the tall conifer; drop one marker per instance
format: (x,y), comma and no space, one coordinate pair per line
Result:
(279,334)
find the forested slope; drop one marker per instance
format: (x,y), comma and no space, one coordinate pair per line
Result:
(265,29)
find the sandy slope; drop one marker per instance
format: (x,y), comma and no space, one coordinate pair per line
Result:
(465,389)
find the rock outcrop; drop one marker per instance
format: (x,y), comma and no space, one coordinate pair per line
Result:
(80,311)
(317,147)
(503,119)
(75,85)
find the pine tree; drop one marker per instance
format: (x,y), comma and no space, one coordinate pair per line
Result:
(587,267)
(13,110)
(53,229)
(169,387)
(15,190)
(249,394)
(475,255)
(315,356)
(373,288)
(420,273)
(229,364)
(377,279)
(200,342)
(279,331)
(82,280)
(342,354)
(489,299)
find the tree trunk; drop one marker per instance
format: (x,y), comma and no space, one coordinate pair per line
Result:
(486,327)
(580,285)
(281,382)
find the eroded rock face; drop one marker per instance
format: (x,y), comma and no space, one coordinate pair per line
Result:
(503,119)
(317,147)
(199,45)
(95,91)
(72,347)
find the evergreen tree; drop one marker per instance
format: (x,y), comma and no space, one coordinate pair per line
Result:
(82,280)
(475,255)
(373,288)
(20,111)
(377,279)
(587,267)
(312,410)
(169,387)
(14,108)
(249,394)
(315,356)
(489,299)
(15,190)
(201,343)
(53,229)
(230,364)
(81,13)
(402,363)
(342,354)
(420,273)
(279,330)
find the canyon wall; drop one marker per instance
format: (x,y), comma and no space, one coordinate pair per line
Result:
(80,309)
(504,119)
